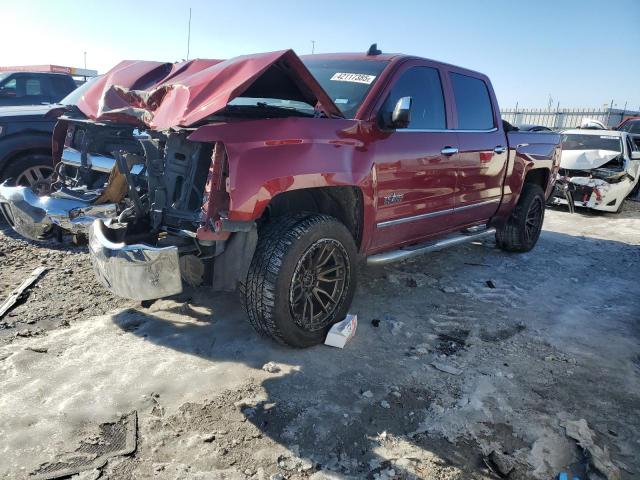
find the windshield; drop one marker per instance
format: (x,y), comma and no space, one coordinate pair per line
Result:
(74,96)
(346,81)
(573,141)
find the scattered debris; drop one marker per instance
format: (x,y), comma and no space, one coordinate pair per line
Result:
(599,457)
(37,349)
(18,292)
(422,349)
(490,284)
(342,332)
(367,394)
(271,367)
(396,326)
(500,463)
(375,322)
(115,439)
(448,289)
(451,343)
(28,333)
(443,367)
(385,404)
(411,280)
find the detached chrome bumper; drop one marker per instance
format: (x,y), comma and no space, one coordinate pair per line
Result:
(138,272)
(32,216)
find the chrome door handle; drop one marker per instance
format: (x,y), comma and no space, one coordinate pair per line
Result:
(499,149)
(449,151)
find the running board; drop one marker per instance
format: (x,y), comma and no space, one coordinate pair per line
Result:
(415,250)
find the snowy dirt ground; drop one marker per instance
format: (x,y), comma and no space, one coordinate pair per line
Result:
(556,340)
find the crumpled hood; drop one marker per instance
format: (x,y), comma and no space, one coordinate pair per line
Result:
(163,95)
(586,159)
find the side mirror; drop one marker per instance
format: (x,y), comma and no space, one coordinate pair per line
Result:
(401,116)
(635,155)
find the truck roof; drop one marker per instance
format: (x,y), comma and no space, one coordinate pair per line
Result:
(389,57)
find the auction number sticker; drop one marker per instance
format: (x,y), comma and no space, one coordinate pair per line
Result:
(353,77)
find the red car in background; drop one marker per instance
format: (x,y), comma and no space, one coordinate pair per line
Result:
(632,126)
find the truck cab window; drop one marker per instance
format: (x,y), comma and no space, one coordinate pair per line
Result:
(32,87)
(472,103)
(423,85)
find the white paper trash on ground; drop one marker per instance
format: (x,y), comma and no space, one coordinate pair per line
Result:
(342,332)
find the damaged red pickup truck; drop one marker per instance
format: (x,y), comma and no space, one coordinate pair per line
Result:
(278,174)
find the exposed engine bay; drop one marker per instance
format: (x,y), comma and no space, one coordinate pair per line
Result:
(142,194)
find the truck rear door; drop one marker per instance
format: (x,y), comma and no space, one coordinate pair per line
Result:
(415,166)
(483,149)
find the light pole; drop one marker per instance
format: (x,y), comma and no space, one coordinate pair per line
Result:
(189,34)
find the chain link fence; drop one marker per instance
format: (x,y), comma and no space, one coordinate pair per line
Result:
(563,118)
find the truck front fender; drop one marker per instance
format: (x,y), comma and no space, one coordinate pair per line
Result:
(274,156)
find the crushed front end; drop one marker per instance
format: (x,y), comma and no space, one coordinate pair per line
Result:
(151,203)
(603,188)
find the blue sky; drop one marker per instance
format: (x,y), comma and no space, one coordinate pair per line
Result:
(579,53)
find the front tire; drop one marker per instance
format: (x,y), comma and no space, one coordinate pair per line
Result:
(301,280)
(522,230)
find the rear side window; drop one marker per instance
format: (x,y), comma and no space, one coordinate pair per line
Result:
(473,103)
(32,87)
(423,85)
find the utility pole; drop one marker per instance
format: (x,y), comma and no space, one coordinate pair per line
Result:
(313,47)
(85,60)
(189,34)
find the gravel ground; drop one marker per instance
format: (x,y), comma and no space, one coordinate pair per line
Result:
(467,364)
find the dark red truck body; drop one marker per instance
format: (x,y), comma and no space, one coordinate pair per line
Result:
(272,156)
(279,170)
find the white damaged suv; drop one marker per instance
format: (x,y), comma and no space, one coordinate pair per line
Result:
(598,169)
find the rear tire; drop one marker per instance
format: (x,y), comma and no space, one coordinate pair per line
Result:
(301,280)
(522,230)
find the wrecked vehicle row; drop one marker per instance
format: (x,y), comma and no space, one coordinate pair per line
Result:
(278,174)
(599,169)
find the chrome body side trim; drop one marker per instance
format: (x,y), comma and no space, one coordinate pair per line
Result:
(414,218)
(442,130)
(478,204)
(397,221)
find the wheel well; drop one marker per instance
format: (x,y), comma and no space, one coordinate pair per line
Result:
(22,153)
(343,203)
(539,176)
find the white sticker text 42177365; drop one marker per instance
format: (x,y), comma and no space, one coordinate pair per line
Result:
(353,77)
